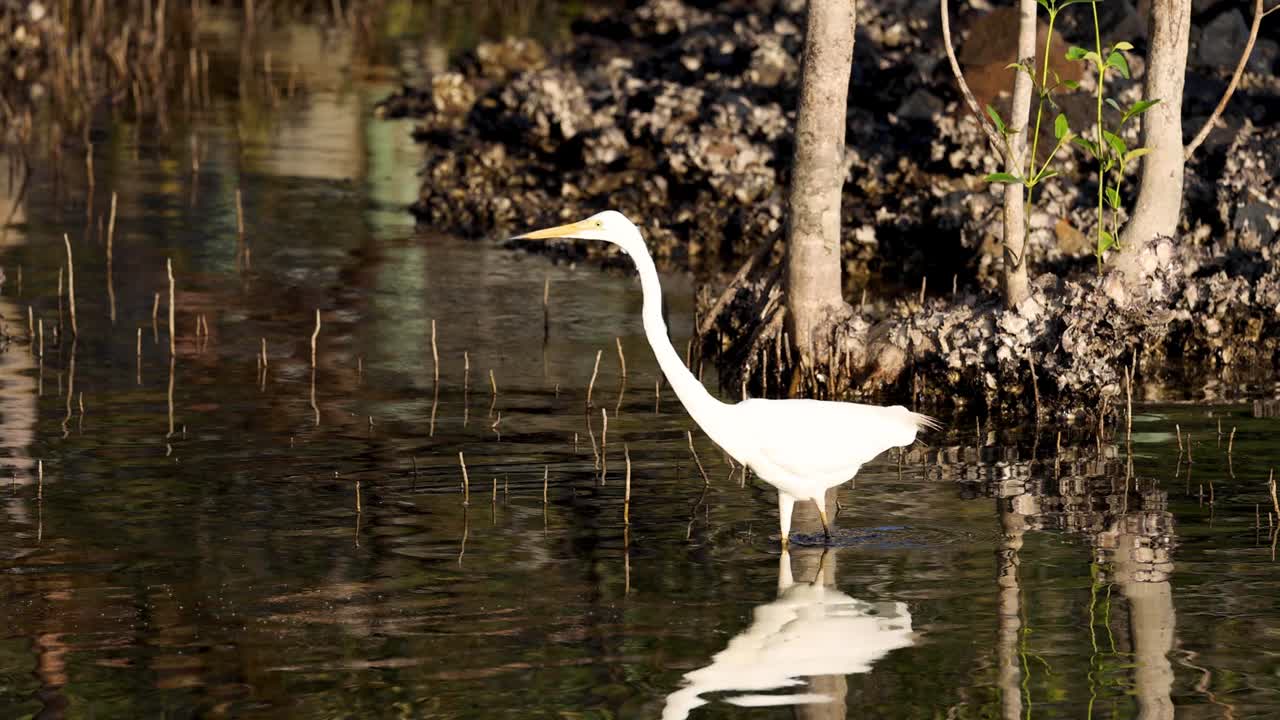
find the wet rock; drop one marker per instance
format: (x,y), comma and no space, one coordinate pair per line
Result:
(1248,193)
(1265,55)
(920,106)
(1222,40)
(991,45)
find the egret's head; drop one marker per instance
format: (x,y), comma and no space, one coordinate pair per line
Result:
(610,226)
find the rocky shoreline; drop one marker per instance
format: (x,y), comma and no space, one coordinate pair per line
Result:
(681,117)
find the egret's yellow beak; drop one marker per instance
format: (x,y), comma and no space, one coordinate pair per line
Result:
(559,231)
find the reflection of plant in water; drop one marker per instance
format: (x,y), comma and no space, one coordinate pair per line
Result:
(1099,667)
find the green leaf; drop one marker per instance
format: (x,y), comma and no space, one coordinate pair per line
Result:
(1105,242)
(1046,175)
(1060,127)
(1076,53)
(1117,61)
(1086,144)
(1134,154)
(1113,198)
(1072,85)
(1094,58)
(995,117)
(1003,177)
(1115,105)
(1045,4)
(1115,142)
(1122,45)
(1138,108)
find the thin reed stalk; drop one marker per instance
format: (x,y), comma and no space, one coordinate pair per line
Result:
(626,502)
(706,481)
(435,353)
(604,445)
(466,480)
(314,335)
(173,327)
(71,285)
(595,371)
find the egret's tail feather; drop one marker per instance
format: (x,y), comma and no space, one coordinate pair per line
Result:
(924,422)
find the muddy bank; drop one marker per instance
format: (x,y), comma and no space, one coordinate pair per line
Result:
(681,117)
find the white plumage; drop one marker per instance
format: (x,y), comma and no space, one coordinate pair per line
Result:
(801,447)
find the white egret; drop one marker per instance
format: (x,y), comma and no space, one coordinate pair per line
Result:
(801,447)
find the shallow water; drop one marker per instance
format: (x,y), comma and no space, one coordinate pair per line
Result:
(219,540)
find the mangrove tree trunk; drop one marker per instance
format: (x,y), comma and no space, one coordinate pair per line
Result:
(1160,193)
(1015,218)
(813,286)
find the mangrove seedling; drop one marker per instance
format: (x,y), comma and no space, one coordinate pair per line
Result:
(1108,148)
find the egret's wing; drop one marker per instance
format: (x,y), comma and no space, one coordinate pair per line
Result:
(815,438)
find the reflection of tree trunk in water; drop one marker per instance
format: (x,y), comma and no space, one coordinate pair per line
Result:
(808,564)
(51,669)
(1152,624)
(1009,610)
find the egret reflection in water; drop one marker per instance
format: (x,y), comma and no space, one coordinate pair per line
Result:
(810,632)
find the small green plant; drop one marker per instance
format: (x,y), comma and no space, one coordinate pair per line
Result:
(1107,147)
(1034,175)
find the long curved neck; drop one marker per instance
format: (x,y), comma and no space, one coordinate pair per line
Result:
(700,403)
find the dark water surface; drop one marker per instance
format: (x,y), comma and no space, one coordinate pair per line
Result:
(220,541)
